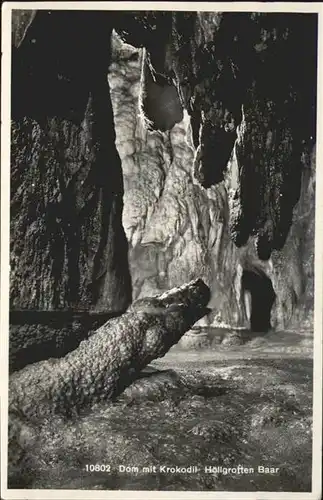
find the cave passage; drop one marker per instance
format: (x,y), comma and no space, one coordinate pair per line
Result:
(262,298)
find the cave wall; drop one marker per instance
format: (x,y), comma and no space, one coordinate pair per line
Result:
(216,148)
(68,248)
(178,230)
(292,272)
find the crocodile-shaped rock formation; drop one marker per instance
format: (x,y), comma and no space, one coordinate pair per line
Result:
(106,363)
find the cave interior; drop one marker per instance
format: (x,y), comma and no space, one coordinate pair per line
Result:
(262,299)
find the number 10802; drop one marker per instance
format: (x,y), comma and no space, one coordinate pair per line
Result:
(97,468)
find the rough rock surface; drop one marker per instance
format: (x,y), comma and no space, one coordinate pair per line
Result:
(68,247)
(42,335)
(178,230)
(222,65)
(205,108)
(103,365)
(251,406)
(219,183)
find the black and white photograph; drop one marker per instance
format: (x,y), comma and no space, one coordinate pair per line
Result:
(161,250)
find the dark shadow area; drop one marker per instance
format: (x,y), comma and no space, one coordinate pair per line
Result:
(38,335)
(262,299)
(160,103)
(50,61)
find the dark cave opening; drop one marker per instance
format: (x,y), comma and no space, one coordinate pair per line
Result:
(160,102)
(262,298)
(161,107)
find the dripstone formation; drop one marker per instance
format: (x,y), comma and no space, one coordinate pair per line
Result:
(213,116)
(246,85)
(248,82)
(103,365)
(176,228)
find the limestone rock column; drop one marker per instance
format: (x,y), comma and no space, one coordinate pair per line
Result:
(68,247)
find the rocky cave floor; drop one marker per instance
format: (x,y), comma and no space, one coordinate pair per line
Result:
(231,404)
